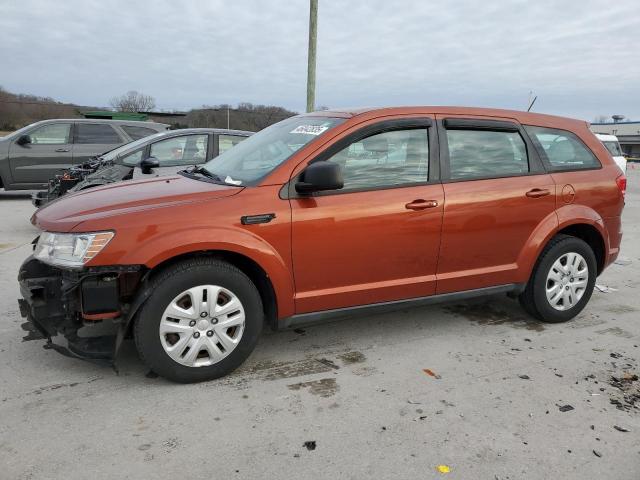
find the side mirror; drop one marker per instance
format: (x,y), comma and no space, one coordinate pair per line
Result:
(320,176)
(23,140)
(148,164)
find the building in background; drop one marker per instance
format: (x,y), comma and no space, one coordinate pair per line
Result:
(628,134)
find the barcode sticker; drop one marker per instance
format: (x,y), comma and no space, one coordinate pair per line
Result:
(309,129)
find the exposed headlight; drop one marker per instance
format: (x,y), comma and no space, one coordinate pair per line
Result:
(70,250)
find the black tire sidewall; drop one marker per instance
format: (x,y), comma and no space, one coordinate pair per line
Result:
(546,311)
(147,327)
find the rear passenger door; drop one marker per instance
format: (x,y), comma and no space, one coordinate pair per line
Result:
(497,193)
(93,139)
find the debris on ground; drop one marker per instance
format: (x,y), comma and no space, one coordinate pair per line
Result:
(431,373)
(299,331)
(605,288)
(628,391)
(565,408)
(621,429)
(310,444)
(524,377)
(622,261)
(443,468)
(597,453)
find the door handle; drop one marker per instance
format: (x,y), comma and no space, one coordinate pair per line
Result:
(537,192)
(60,150)
(421,204)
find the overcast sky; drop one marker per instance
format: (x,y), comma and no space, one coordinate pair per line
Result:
(580,57)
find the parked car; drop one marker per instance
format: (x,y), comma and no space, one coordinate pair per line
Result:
(29,157)
(325,215)
(612,144)
(160,154)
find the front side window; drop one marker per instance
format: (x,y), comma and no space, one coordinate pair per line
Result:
(486,154)
(53,134)
(396,157)
(96,133)
(184,150)
(225,142)
(563,149)
(136,133)
(132,159)
(258,155)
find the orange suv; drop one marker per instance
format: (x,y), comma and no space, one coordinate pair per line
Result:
(322,215)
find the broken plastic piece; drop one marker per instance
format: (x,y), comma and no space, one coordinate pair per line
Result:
(565,408)
(443,468)
(431,373)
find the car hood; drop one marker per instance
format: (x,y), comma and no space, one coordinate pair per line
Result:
(64,214)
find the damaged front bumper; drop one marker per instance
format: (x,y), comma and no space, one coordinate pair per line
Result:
(70,304)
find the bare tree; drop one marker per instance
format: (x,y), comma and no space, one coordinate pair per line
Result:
(600,119)
(133,101)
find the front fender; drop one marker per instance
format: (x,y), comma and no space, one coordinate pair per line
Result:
(153,250)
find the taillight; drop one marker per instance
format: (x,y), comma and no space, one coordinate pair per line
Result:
(621,181)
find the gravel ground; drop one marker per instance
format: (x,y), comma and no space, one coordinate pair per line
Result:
(504,397)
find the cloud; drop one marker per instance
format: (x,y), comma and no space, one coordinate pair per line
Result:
(577,56)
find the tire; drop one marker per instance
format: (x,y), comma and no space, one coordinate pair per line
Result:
(219,352)
(534,299)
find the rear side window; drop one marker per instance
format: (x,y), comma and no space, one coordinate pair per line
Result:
(136,133)
(96,133)
(613,147)
(486,154)
(563,149)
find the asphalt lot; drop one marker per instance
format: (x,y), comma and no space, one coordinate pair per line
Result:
(357,388)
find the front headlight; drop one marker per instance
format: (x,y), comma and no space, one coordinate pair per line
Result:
(70,250)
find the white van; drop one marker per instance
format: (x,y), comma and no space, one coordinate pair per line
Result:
(611,142)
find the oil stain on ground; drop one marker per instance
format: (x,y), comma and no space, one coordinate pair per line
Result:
(617,331)
(325,387)
(621,309)
(486,314)
(269,370)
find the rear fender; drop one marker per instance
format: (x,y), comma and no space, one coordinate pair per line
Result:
(563,217)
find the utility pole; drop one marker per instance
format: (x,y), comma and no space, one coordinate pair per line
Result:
(311,66)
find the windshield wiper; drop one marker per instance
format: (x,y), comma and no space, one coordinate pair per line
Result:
(206,173)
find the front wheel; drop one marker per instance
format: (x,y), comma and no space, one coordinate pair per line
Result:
(201,322)
(562,280)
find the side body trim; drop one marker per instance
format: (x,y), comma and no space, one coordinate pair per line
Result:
(325,315)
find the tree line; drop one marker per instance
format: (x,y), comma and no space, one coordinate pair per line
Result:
(19,110)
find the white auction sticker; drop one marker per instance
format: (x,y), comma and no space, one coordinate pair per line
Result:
(309,129)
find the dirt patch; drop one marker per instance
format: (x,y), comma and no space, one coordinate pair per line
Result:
(349,358)
(617,331)
(621,309)
(486,314)
(277,370)
(326,387)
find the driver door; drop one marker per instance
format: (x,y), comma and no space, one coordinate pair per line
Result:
(177,153)
(377,239)
(49,152)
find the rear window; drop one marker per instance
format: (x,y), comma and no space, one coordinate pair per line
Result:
(562,149)
(136,133)
(96,133)
(486,154)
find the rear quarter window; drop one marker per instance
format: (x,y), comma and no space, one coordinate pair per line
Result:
(563,150)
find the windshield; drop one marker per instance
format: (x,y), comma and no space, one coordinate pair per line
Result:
(127,147)
(613,147)
(260,154)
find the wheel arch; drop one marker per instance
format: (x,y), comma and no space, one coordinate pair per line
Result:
(247,265)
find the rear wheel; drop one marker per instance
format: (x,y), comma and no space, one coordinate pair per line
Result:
(562,280)
(201,322)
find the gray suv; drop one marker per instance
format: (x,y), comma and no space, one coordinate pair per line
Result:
(29,157)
